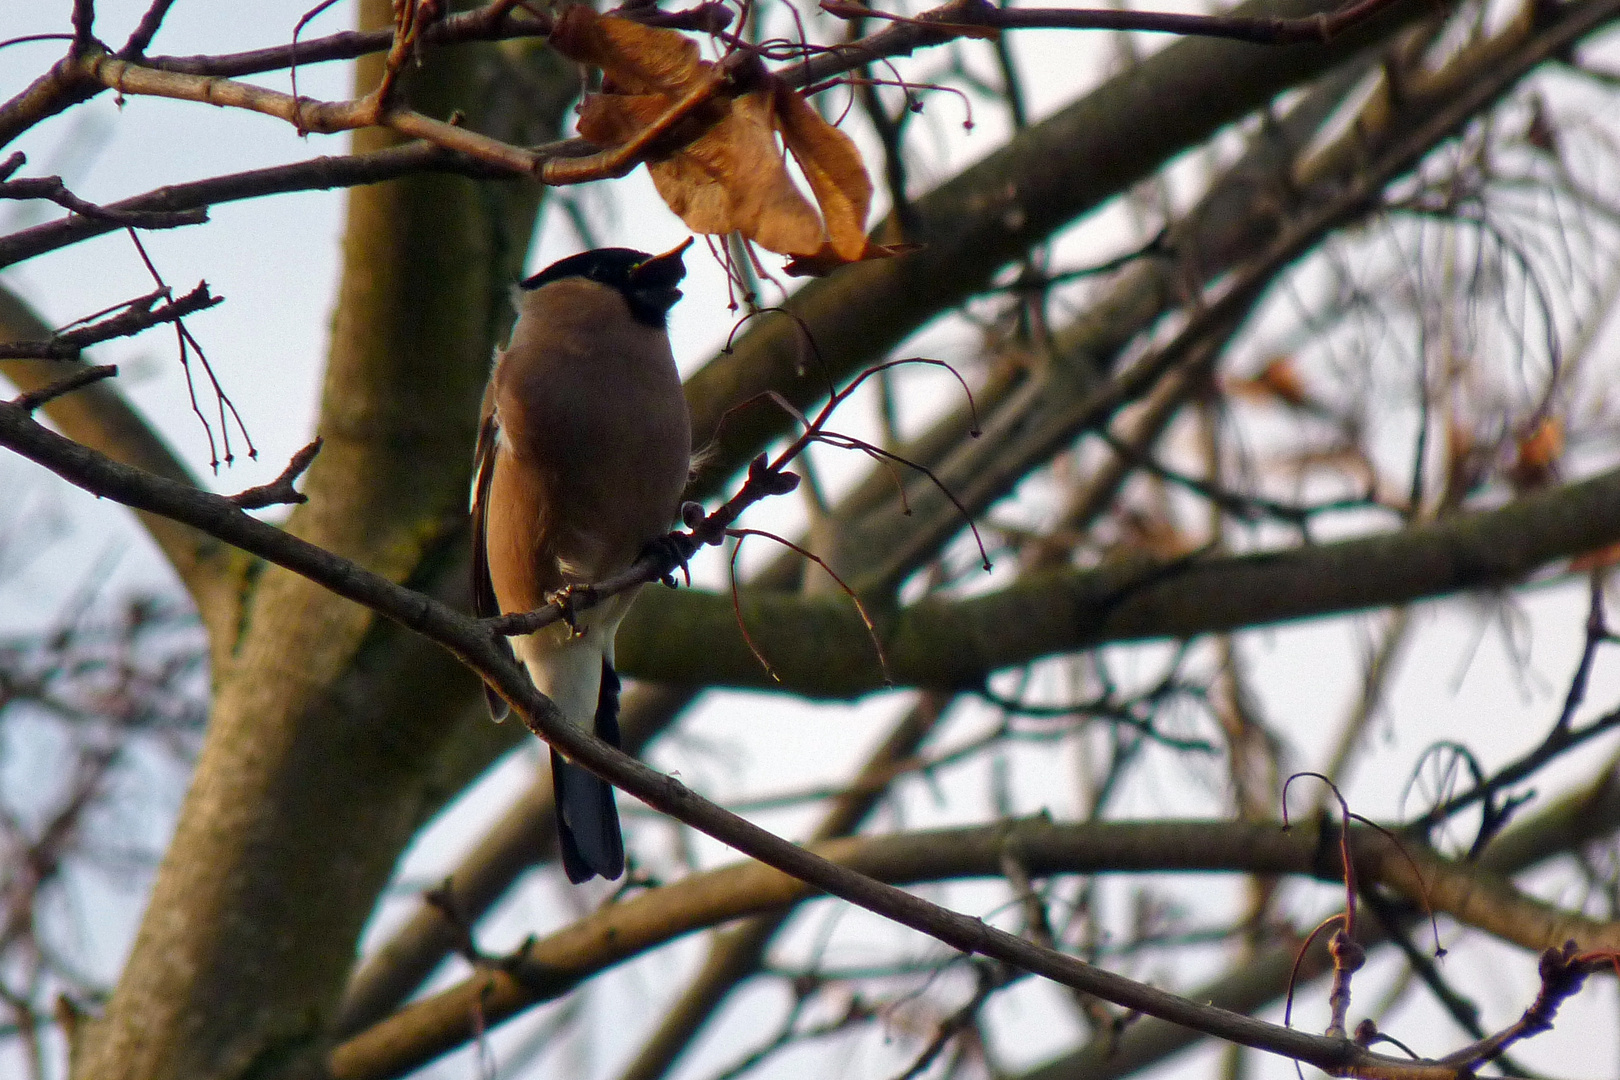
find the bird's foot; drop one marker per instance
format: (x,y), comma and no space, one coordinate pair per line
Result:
(672,551)
(566,599)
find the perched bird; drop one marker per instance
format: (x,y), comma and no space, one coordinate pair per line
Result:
(582,457)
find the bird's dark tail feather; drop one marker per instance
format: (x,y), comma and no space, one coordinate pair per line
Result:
(587,818)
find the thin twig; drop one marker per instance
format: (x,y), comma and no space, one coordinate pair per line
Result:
(137,315)
(314,174)
(52,188)
(967,16)
(35,398)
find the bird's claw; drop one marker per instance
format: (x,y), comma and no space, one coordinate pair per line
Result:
(672,551)
(565,598)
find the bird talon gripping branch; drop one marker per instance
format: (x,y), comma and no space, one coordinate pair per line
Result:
(583,453)
(567,600)
(673,551)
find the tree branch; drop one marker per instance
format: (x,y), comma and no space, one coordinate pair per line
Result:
(554,965)
(33,399)
(964,17)
(465,639)
(137,315)
(315,174)
(818,645)
(53,189)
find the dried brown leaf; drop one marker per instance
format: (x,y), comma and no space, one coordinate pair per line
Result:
(613,119)
(634,59)
(1536,463)
(733,178)
(1278,380)
(832,165)
(720,165)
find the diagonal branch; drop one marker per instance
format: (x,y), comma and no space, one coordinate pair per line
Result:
(736,952)
(967,16)
(465,638)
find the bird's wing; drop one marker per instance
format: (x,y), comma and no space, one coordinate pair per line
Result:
(485,605)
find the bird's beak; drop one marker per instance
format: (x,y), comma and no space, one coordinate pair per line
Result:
(653,282)
(662,269)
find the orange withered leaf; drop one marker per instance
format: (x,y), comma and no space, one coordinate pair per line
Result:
(833,167)
(1278,382)
(611,119)
(732,178)
(1543,445)
(634,59)
(720,166)
(1539,449)
(1282,380)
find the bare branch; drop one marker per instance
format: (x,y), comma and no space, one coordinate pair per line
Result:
(280,490)
(467,640)
(139,314)
(35,398)
(967,16)
(52,188)
(316,174)
(84,18)
(146,29)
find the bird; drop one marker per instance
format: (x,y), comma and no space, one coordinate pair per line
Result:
(584,450)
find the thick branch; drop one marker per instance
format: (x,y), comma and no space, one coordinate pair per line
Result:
(554,965)
(818,646)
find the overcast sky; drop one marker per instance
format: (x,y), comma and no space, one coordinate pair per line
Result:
(274,261)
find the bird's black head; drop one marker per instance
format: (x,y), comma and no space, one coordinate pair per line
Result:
(647,281)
